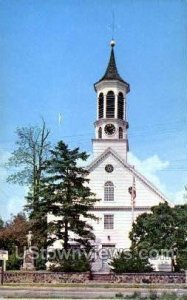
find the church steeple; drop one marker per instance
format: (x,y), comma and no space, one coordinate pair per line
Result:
(111,125)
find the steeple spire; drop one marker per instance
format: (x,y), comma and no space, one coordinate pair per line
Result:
(112,71)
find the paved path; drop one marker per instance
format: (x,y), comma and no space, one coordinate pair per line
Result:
(78,293)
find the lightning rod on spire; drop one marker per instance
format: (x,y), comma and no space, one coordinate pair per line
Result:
(112,42)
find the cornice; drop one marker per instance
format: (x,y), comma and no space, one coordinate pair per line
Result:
(110,120)
(110,84)
(121,208)
(110,140)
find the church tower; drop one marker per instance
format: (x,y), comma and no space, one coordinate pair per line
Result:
(111,125)
(110,174)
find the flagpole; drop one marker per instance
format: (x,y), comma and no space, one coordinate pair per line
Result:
(132,205)
(132,192)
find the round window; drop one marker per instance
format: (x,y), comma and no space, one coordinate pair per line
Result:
(109,168)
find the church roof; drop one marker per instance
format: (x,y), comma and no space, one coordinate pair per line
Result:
(112,71)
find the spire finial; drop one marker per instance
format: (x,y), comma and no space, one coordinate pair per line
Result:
(112,43)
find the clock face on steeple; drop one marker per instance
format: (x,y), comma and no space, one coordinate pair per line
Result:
(110,129)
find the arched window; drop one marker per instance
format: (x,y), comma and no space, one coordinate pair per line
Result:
(120,105)
(101,105)
(120,133)
(100,133)
(109,191)
(110,104)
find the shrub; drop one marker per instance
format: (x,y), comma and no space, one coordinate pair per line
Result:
(40,263)
(13,263)
(77,262)
(130,262)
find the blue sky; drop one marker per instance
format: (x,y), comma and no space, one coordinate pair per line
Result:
(52,51)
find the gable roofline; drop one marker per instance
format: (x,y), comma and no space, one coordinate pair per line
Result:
(130,168)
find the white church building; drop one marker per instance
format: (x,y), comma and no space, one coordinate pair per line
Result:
(110,173)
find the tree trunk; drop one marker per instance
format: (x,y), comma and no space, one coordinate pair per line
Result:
(65,235)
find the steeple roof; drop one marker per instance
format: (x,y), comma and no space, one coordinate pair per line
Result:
(112,71)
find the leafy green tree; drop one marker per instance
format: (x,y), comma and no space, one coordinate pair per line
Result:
(180,236)
(66,196)
(29,157)
(155,229)
(13,237)
(164,228)
(14,233)
(130,262)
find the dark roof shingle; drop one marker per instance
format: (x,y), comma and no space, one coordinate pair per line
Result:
(112,71)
